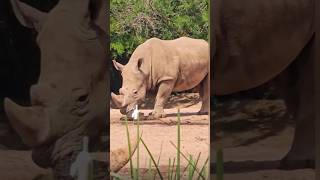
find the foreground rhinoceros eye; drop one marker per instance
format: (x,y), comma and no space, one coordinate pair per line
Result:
(81,104)
(83,98)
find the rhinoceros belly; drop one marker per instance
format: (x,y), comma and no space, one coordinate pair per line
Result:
(192,72)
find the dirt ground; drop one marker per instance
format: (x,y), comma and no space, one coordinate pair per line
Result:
(255,135)
(159,133)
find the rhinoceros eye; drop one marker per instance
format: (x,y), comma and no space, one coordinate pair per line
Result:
(80,95)
(83,98)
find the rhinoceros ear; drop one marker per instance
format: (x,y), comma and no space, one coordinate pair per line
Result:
(27,15)
(99,13)
(117,65)
(92,10)
(139,63)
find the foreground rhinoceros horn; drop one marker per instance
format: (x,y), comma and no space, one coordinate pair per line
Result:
(29,122)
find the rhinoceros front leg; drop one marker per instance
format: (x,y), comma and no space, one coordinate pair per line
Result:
(164,91)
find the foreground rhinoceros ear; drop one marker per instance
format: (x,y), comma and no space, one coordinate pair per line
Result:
(99,12)
(93,10)
(27,15)
(117,65)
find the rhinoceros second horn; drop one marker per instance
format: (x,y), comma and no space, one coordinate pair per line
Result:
(29,122)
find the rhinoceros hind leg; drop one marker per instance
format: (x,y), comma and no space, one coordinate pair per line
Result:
(205,96)
(302,151)
(297,86)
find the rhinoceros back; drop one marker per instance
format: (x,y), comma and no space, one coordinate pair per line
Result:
(254,40)
(184,59)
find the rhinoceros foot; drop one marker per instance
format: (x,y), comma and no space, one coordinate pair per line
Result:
(290,164)
(155,115)
(296,159)
(202,113)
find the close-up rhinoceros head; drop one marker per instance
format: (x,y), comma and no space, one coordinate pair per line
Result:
(134,85)
(69,99)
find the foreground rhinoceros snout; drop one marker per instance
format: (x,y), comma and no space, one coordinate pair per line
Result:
(30,123)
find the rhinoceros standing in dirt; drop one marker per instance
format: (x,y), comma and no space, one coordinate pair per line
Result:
(255,41)
(168,65)
(68,101)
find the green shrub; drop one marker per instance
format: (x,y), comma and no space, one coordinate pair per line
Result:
(134,21)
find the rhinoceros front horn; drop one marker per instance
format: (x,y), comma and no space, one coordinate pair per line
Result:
(29,122)
(117,100)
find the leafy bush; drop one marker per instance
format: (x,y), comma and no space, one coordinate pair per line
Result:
(134,21)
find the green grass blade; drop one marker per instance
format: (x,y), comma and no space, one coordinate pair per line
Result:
(178,149)
(129,147)
(172,169)
(185,157)
(219,167)
(138,148)
(150,170)
(134,174)
(169,169)
(184,171)
(154,162)
(158,162)
(202,175)
(196,163)
(117,176)
(190,168)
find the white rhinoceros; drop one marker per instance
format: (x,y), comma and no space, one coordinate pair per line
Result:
(165,65)
(252,42)
(68,101)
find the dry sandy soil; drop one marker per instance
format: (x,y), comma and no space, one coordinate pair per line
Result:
(255,135)
(159,133)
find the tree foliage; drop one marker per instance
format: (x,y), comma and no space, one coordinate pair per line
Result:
(134,21)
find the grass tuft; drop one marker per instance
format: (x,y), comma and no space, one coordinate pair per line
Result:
(174,165)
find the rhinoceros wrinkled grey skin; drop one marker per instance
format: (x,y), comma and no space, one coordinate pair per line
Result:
(168,65)
(68,101)
(253,42)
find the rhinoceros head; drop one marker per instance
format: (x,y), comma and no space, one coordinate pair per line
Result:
(134,85)
(68,99)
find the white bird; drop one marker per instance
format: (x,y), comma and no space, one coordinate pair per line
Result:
(135,113)
(82,168)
